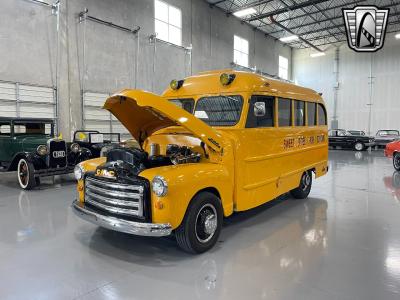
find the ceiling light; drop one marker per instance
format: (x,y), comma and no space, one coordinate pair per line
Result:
(245,12)
(397,36)
(317,54)
(289,38)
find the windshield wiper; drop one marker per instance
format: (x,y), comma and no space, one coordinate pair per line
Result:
(228,97)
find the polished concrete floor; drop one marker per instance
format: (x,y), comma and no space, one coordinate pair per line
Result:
(341,243)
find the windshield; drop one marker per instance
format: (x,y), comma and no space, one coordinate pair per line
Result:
(219,110)
(387,132)
(187,104)
(22,128)
(354,132)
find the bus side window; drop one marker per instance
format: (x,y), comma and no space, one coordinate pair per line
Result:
(311,114)
(299,113)
(321,115)
(284,112)
(266,120)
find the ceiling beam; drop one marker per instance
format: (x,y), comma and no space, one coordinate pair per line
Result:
(285,9)
(338,27)
(216,3)
(327,19)
(321,10)
(288,30)
(339,33)
(250,5)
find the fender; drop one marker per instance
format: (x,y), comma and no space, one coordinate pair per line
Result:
(84,154)
(30,157)
(184,182)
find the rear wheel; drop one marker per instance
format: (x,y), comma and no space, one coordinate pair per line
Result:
(25,171)
(304,188)
(396,161)
(201,225)
(359,146)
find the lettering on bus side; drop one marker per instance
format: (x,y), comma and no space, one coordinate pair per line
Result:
(301,141)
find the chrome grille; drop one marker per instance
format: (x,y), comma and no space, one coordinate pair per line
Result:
(113,197)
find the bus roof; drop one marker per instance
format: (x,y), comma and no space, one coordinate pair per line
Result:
(209,83)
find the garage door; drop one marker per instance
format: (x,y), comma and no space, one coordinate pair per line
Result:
(26,100)
(96,118)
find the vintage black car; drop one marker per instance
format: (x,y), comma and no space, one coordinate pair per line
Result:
(96,141)
(30,147)
(341,138)
(356,132)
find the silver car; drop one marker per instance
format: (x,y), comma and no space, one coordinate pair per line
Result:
(386,136)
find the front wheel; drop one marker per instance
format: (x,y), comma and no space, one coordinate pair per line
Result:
(304,188)
(396,161)
(359,146)
(25,171)
(201,225)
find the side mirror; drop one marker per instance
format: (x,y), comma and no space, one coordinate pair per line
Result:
(259,109)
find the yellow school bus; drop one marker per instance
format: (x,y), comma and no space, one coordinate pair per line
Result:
(212,144)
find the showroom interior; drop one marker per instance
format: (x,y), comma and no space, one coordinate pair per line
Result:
(90,78)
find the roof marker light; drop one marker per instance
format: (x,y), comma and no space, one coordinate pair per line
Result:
(176,84)
(226,79)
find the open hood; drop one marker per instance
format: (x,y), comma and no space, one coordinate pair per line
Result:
(143,113)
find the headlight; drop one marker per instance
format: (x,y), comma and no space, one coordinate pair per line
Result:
(75,148)
(42,150)
(79,171)
(159,186)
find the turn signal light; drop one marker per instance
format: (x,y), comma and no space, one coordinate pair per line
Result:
(226,79)
(176,84)
(159,205)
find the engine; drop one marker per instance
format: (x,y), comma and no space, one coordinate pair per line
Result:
(132,161)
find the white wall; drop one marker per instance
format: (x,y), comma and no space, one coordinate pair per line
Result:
(28,48)
(354,84)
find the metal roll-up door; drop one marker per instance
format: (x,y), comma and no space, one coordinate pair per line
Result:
(8,100)
(27,100)
(97,118)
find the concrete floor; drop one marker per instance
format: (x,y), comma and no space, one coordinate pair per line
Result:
(341,243)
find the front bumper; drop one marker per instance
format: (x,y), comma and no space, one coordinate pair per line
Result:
(53,171)
(131,227)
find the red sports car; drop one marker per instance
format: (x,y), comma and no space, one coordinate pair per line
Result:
(392,150)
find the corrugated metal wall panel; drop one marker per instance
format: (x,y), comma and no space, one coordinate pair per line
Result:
(354,84)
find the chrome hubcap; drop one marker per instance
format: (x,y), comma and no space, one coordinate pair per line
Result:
(305,181)
(359,146)
(206,223)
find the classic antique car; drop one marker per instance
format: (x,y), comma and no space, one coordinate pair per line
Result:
(341,138)
(29,147)
(248,140)
(383,137)
(392,150)
(95,141)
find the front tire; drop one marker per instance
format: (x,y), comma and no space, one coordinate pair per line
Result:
(359,146)
(304,188)
(25,171)
(396,161)
(201,225)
